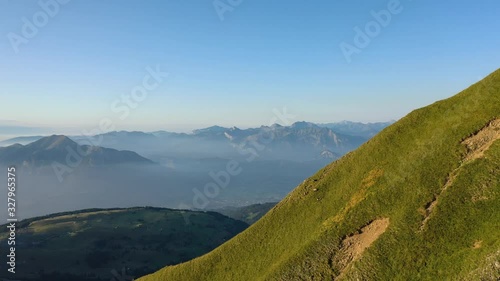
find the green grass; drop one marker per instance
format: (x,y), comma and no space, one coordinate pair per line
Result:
(395,175)
(94,242)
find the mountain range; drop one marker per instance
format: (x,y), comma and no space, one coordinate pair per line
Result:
(175,167)
(302,141)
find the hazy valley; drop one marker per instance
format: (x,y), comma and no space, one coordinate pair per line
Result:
(162,169)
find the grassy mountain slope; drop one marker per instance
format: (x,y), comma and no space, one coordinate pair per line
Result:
(89,244)
(410,204)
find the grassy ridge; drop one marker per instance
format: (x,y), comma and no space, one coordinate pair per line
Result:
(396,175)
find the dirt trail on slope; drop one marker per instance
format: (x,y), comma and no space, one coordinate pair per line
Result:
(480,142)
(352,247)
(476,146)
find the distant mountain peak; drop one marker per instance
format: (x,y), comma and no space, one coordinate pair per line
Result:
(53,142)
(127,133)
(56,148)
(274,126)
(212,129)
(303,125)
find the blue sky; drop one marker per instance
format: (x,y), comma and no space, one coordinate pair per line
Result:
(264,54)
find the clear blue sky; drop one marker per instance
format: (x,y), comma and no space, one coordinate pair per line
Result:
(265,54)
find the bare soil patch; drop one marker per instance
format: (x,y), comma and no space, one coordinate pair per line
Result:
(353,247)
(476,146)
(482,140)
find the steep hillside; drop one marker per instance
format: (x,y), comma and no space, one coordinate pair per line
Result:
(420,201)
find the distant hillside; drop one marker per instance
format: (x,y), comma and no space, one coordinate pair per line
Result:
(19,140)
(60,175)
(248,214)
(90,244)
(419,201)
(57,175)
(62,149)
